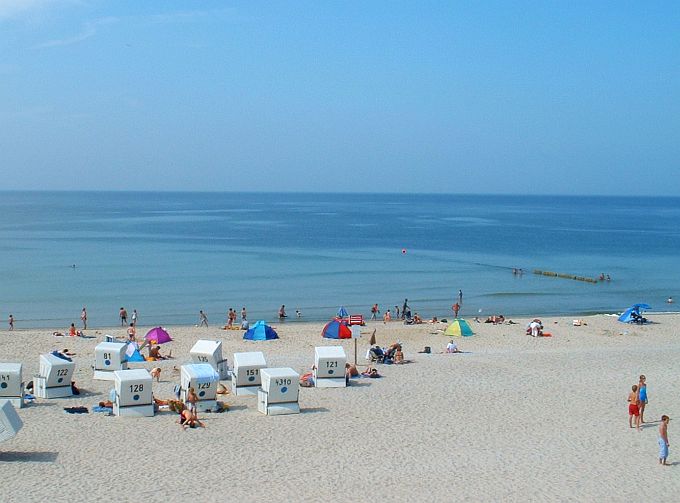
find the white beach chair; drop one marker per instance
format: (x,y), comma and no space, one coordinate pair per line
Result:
(109,357)
(210,352)
(329,367)
(245,378)
(133,393)
(11,386)
(279,392)
(203,378)
(10,422)
(54,379)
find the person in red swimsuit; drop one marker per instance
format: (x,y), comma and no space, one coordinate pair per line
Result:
(633,407)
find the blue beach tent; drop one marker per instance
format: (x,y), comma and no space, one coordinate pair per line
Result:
(632,312)
(260,332)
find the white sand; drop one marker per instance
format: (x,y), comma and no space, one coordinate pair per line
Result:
(518,418)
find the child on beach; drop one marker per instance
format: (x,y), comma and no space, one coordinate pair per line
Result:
(387,316)
(642,395)
(663,440)
(192,400)
(633,409)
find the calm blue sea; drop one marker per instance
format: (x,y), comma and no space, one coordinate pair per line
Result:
(170,254)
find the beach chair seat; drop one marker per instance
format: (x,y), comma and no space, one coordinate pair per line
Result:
(10,422)
(356,319)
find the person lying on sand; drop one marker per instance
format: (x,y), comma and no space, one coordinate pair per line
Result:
(188,419)
(371,372)
(307,379)
(398,356)
(106,403)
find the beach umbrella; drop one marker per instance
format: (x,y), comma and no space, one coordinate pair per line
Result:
(342,312)
(260,331)
(337,329)
(642,306)
(459,328)
(157,335)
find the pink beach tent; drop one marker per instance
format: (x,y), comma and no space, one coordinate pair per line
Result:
(157,335)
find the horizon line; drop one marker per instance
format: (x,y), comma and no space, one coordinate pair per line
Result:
(309,192)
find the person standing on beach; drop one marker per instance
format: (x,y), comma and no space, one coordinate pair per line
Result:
(460,297)
(202,318)
(11,322)
(83,318)
(404,308)
(243,314)
(633,409)
(123,316)
(396,312)
(132,332)
(456,308)
(134,317)
(374,312)
(282,312)
(663,440)
(642,396)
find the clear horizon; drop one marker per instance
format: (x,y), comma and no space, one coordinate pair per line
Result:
(380,97)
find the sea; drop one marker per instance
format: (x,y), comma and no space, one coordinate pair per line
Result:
(169,255)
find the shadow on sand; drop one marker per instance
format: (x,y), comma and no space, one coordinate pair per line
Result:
(28,457)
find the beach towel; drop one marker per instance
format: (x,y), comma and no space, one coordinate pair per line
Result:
(106,410)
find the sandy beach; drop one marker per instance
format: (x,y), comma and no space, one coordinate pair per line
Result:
(513,418)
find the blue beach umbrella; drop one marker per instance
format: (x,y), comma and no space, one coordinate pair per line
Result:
(260,332)
(642,306)
(342,312)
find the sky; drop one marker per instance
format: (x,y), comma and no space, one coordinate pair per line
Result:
(542,97)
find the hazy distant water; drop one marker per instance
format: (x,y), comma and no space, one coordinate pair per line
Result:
(171,254)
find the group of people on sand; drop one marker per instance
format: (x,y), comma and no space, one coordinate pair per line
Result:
(637,402)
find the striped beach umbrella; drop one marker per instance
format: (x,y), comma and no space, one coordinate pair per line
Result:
(459,328)
(337,329)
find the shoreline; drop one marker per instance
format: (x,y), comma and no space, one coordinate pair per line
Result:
(291,321)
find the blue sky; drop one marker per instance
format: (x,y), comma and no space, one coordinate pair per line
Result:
(453,97)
